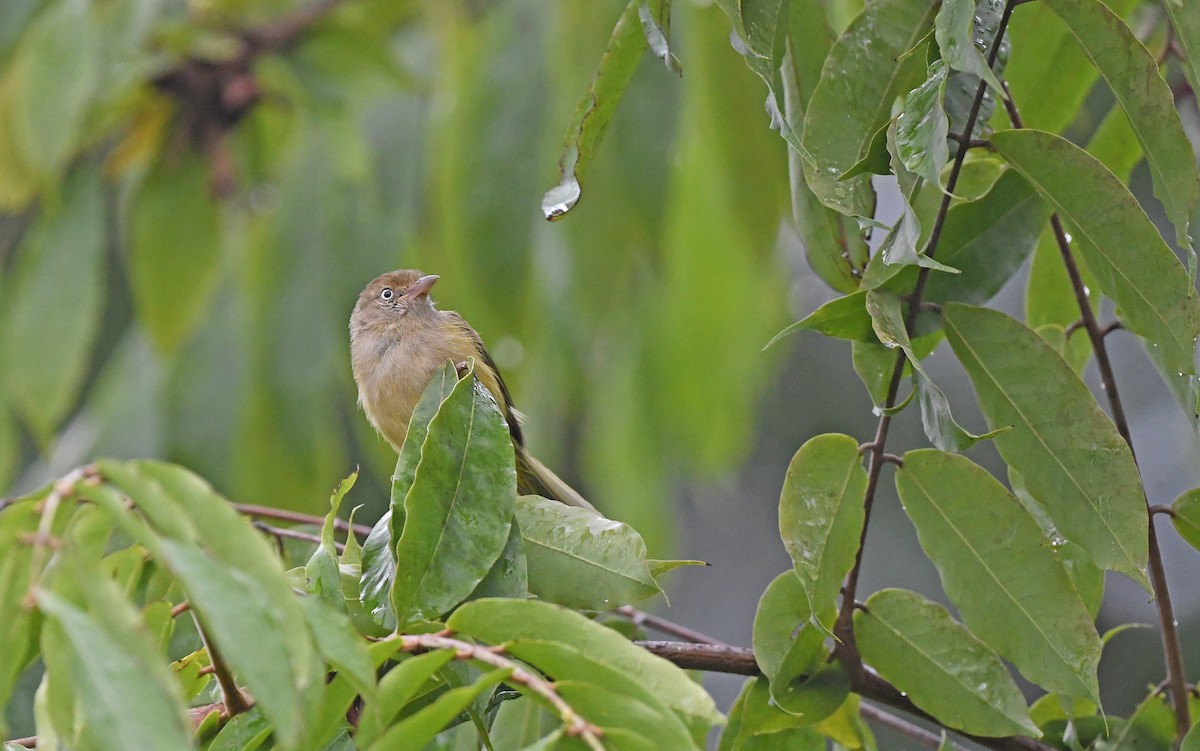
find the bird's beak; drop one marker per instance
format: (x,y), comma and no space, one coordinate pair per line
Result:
(420,287)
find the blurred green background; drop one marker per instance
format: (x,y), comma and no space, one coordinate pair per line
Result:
(142,317)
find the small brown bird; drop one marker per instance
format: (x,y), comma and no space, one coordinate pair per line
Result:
(398,340)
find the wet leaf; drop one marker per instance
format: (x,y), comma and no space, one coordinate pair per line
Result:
(922,126)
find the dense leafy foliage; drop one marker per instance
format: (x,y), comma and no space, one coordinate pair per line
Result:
(151,612)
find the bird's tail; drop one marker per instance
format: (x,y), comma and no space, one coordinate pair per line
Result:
(535,478)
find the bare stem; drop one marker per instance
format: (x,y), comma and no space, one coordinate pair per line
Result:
(235,701)
(283,515)
(1172,651)
(575,725)
(642,618)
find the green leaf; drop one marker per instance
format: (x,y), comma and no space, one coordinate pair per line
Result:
(509,576)
(922,125)
(128,698)
(19,623)
(944,668)
(395,690)
(55,295)
(1185,20)
(1119,243)
(459,508)
(59,53)
(497,621)
(765,727)
(1000,571)
(1132,74)
(322,569)
(954,29)
(874,364)
(422,726)
(1152,725)
(611,710)
(595,110)
(1186,517)
(1072,458)
(580,559)
(338,642)
(655,16)
(844,317)
(378,570)
(821,516)
(939,424)
(520,723)
(782,628)
(833,244)
(900,246)
(989,240)
(244,732)
(862,76)
(174,248)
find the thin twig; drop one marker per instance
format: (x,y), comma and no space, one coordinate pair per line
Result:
(295,517)
(1172,651)
(844,628)
(575,724)
(642,618)
(291,534)
(916,732)
(235,701)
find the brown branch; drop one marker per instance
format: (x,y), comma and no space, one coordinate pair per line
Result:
(1172,651)
(295,517)
(575,724)
(846,649)
(235,701)
(291,534)
(642,618)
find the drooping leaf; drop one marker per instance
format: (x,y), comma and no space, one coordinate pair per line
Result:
(174,248)
(1000,571)
(1118,242)
(625,49)
(944,668)
(55,295)
(778,625)
(765,727)
(497,621)
(821,516)
(18,623)
(421,727)
(1132,74)
(844,317)
(378,569)
(1090,487)
(954,29)
(580,559)
(459,508)
(922,126)
(862,76)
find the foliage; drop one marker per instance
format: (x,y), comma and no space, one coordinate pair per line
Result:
(154,614)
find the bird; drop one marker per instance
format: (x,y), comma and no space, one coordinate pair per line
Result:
(399,340)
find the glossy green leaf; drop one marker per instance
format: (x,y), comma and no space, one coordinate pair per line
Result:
(55,295)
(625,49)
(861,78)
(59,53)
(944,668)
(500,620)
(174,248)
(877,160)
(844,317)
(1132,74)
(939,424)
(922,125)
(900,247)
(954,29)
(396,689)
(1116,239)
(833,244)
(459,508)
(580,559)
(378,570)
(765,727)
(1186,517)
(1072,458)
(1000,570)
(420,728)
(821,516)
(509,576)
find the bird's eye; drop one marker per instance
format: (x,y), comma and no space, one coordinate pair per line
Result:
(387,293)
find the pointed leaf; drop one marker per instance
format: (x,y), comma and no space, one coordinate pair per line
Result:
(395,690)
(1000,570)
(862,76)
(1186,517)
(611,710)
(779,621)
(459,508)
(580,559)
(1132,74)
(955,32)
(845,317)
(1120,245)
(944,668)
(498,621)
(821,516)
(420,728)
(1072,458)
(922,126)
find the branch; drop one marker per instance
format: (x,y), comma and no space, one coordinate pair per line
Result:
(575,725)
(641,618)
(1172,651)
(283,515)
(844,627)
